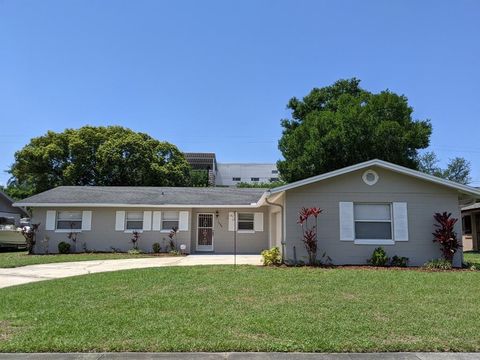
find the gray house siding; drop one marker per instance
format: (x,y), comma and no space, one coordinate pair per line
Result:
(104,237)
(9,211)
(423,200)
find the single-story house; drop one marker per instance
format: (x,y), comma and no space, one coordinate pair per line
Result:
(9,214)
(471,227)
(367,205)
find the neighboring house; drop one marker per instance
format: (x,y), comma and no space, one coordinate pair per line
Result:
(471,227)
(226,174)
(367,205)
(9,214)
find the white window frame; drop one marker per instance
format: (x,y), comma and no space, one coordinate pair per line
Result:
(167,230)
(390,241)
(57,219)
(126,229)
(246,231)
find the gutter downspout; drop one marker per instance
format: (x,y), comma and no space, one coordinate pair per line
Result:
(282,239)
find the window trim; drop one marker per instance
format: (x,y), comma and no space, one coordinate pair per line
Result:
(125,227)
(57,218)
(164,230)
(246,231)
(390,241)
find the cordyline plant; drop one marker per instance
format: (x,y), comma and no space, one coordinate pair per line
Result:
(29,233)
(309,231)
(134,239)
(445,234)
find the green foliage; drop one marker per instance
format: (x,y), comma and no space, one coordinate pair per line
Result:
(199,178)
(399,261)
(379,257)
(175,252)
(91,155)
(271,256)
(156,248)
(135,252)
(438,264)
(343,124)
(261,185)
(63,247)
(458,169)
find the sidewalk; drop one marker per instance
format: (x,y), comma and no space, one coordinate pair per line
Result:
(243,356)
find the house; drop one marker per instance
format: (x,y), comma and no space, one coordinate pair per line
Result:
(367,205)
(230,174)
(9,214)
(471,227)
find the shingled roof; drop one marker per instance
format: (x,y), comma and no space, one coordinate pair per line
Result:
(141,196)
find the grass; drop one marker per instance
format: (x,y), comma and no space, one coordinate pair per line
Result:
(471,257)
(222,308)
(21,258)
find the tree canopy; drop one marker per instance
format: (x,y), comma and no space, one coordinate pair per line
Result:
(458,169)
(343,124)
(91,155)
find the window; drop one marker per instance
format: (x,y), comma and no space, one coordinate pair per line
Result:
(236,179)
(467,225)
(373,221)
(134,220)
(69,220)
(170,220)
(274,179)
(245,221)
(254,179)
(274,171)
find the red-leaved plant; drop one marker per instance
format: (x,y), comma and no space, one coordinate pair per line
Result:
(309,231)
(445,234)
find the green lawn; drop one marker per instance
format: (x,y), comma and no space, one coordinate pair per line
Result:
(471,257)
(221,308)
(21,258)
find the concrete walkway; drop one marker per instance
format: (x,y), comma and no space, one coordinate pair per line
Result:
(40,272)
(243,356)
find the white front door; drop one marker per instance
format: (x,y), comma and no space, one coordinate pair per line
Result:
(204,232)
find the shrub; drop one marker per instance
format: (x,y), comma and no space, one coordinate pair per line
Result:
(379,257)
(135,251)
(438,264)
(175,252)
(134,239)
(63,247)
(29,233)
(309,232)
(271,257)
(445,235)
(156,248)
(399,261)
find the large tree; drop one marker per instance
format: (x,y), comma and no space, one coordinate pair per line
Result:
(458,169)
(343,124)
(90,155)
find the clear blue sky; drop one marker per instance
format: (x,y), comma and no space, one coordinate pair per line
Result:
(217,75)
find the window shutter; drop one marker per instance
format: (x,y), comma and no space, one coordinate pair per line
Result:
(50,221)
(400,221)
(231,221)
(120,221)
(183,221)
(258,221)
(147,220)
(157,221)
(86,220)
(347,225)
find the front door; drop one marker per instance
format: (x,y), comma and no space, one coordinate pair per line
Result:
(204,232)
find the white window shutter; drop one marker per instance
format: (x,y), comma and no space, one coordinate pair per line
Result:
(157,221)
(258,221)
(86,220)
(50,220)
(400,221)
(147,220)
(231,221)
(183,221)
(120,221)
(347,224)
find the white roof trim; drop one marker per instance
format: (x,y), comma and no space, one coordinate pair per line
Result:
(93,205)
(383,164)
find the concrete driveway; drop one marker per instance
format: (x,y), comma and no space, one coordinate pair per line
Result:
(33,273)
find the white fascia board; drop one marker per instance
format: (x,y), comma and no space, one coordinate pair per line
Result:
(93,205)
(383,164)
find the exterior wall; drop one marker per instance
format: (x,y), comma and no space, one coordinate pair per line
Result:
(8,211)
(223,240)
(423,200)
(226,173)
(103,237)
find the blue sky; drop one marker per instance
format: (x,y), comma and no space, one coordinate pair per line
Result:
(217,75)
